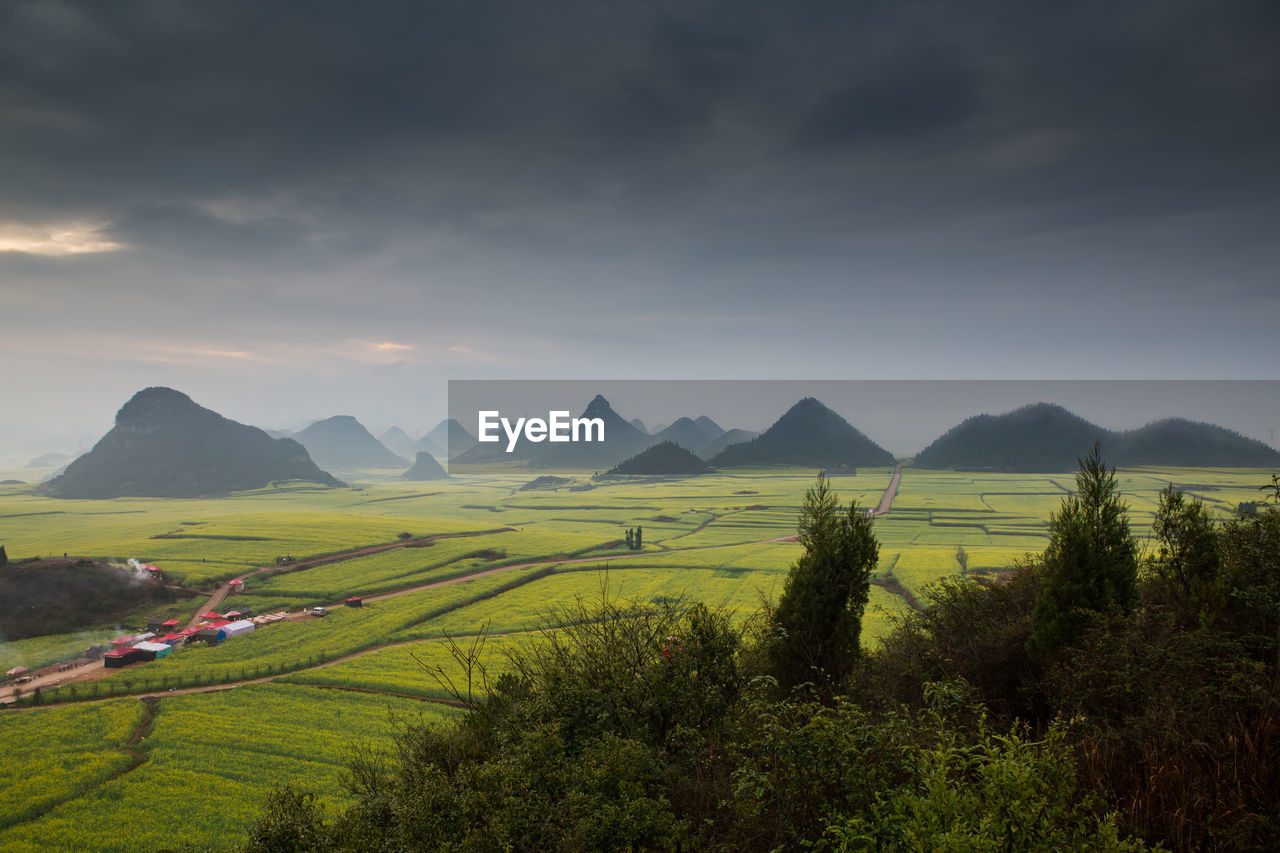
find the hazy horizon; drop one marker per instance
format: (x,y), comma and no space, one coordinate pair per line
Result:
(902,416)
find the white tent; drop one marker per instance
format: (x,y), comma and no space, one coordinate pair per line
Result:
(235,629)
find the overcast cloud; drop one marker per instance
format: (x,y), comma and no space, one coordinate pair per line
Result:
(291,210)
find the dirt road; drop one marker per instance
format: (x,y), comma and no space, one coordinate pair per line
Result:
(886,500)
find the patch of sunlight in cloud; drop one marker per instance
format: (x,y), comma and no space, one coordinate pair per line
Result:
(68,238)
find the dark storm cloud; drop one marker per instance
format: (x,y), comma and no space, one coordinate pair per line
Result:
(927,145)
(921,96)
(149,100)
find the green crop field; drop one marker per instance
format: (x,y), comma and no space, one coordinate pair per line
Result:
(705,538)
(55,755)
(286,646)
(406,669)
(224,750)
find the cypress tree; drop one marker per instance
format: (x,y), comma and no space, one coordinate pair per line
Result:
(1091,564)
(817,625)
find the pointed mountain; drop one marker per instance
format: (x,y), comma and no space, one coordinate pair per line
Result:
(1178,442)
(639,424)
(1040,438)
(398,442)
(688,434)
(425,467)
(810,435)
(621,440)
(165,445)
(451,437)
(342,442)
(711,427)
(666,458)
(726,439)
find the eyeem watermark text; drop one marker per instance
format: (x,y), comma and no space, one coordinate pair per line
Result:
(558,426)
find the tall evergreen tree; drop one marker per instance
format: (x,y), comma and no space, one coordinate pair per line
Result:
(1187,557)
(1091,564)
(818,621)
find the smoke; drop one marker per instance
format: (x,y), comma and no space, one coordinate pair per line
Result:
(142,571)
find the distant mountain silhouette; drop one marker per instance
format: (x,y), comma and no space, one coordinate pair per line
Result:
(639,424)
(165,445)
(726,439)
(621,440)
(666,458)
(1040,438)
(426,445)
(398,442)
(1179,442)
(547,482)
(1046,438)
(425,467)
(711,427)
(342,442)
(811,435)
(44,460)
(689,434)
(450,437)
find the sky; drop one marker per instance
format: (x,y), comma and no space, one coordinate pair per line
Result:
(291,210)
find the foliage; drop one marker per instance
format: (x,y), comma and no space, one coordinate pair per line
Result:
(975,631)
(1091,561)
(291,823)
(935,778)
(986,792)
(1249,583)
(817,624)
(577,748)
(1179,726)
(1187,558)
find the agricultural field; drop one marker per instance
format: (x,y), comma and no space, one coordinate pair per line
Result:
(224,750)
(56,755)
(423,668)
(506,563)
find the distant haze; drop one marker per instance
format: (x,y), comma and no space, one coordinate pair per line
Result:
(902,416)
